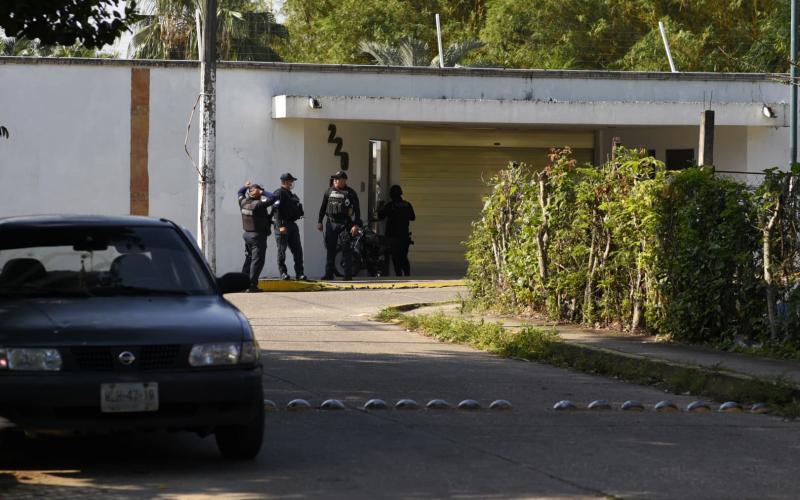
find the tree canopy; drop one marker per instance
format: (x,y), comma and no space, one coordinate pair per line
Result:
(705,35)
(247,30)
(90,23)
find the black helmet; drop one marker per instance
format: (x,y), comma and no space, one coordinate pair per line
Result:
(395,192)
(341,174)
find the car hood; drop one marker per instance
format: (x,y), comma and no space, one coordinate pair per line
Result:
(110,320)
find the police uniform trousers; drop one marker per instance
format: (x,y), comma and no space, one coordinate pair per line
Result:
(255,253)
(291,240)
(333,233)
(399,251)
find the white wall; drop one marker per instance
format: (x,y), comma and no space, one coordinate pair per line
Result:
(320,164)
(69,149)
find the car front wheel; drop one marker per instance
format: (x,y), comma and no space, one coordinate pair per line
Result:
(242,442)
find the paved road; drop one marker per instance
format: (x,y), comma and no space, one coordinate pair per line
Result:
(322,345)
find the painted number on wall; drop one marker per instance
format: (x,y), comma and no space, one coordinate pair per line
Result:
(344,158)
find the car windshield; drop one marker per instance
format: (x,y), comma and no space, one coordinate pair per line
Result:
(97,261)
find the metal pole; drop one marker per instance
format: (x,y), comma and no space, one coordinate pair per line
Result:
(208,134)
(666,46)
(793,73)
(439,38)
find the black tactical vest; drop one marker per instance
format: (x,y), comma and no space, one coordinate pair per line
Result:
(255,216)
(295,209)
(338,205)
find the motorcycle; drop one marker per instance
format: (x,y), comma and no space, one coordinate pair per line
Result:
(369,249)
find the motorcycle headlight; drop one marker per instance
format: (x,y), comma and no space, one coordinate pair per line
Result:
(30,359)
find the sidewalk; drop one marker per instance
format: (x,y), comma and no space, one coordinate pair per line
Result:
(359,283)
(645,347)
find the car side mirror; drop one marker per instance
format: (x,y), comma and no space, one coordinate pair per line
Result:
(233,282)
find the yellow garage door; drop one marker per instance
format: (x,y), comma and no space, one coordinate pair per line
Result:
(446,185)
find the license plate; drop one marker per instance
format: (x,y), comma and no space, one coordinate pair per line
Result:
(119,398)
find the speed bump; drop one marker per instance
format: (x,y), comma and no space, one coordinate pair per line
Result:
(698,407)
(501,405)
(469,405)
(298,405)
(332,404)
(759,408)
(666,407)
(376,404)
(270,406)
(406,404)
(599,405)
(438,404)
(632,405)
(730,407)
(564,405)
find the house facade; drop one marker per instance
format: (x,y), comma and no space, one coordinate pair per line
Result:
(110,136)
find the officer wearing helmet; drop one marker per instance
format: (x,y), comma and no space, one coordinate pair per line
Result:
(340,206)
(256,220)
(286,211)
(399,214)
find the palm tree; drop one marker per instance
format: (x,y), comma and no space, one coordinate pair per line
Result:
(414,52)
(23,47)
(246,31)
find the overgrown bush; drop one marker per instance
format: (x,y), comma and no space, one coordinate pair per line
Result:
(633,246)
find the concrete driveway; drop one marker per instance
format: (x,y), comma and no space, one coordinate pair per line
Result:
(322,345)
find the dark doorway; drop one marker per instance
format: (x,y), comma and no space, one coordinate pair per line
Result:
(679,159)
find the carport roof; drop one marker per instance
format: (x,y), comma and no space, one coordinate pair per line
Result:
(522,112)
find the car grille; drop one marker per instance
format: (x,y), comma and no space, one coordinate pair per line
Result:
(103,358)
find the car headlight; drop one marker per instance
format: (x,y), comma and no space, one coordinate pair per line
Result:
(228,353)
(30,359)
(251,352)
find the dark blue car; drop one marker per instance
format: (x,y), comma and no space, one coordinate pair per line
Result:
(110,323)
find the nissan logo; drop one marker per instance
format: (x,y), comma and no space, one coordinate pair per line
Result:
(126,358)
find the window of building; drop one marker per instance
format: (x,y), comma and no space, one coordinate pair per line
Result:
(679,159)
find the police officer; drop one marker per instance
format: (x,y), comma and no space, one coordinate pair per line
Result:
(286,211)
(340,205)
(256,220)
(399,213)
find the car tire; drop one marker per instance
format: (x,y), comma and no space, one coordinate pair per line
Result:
(242,442)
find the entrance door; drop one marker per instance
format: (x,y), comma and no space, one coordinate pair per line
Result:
(378,193)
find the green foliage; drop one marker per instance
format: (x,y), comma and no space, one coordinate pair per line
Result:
(87,23)
(22,47)
(690,255)
(705,35)
(246,31)
(526,342)
(574,242)
(710,289)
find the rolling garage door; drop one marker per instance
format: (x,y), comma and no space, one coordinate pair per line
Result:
(446,184)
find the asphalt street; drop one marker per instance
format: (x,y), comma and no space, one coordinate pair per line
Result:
(322,345)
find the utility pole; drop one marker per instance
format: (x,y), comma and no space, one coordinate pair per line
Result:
(793,74)
(208,133)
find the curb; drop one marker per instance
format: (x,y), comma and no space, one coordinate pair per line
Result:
(719,384)
(277,285)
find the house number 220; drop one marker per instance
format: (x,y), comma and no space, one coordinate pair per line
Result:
(344,158)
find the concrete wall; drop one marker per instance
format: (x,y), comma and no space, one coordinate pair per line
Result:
(70,125)
(69,149)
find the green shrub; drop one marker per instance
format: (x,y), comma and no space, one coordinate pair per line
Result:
(633,246)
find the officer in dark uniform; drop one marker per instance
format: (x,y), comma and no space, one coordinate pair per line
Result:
(256,221)
(286,211)
(399,213)
(340,205)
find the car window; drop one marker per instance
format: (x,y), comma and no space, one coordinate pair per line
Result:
(99,261)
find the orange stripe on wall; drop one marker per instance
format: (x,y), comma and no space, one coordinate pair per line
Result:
(140,130)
